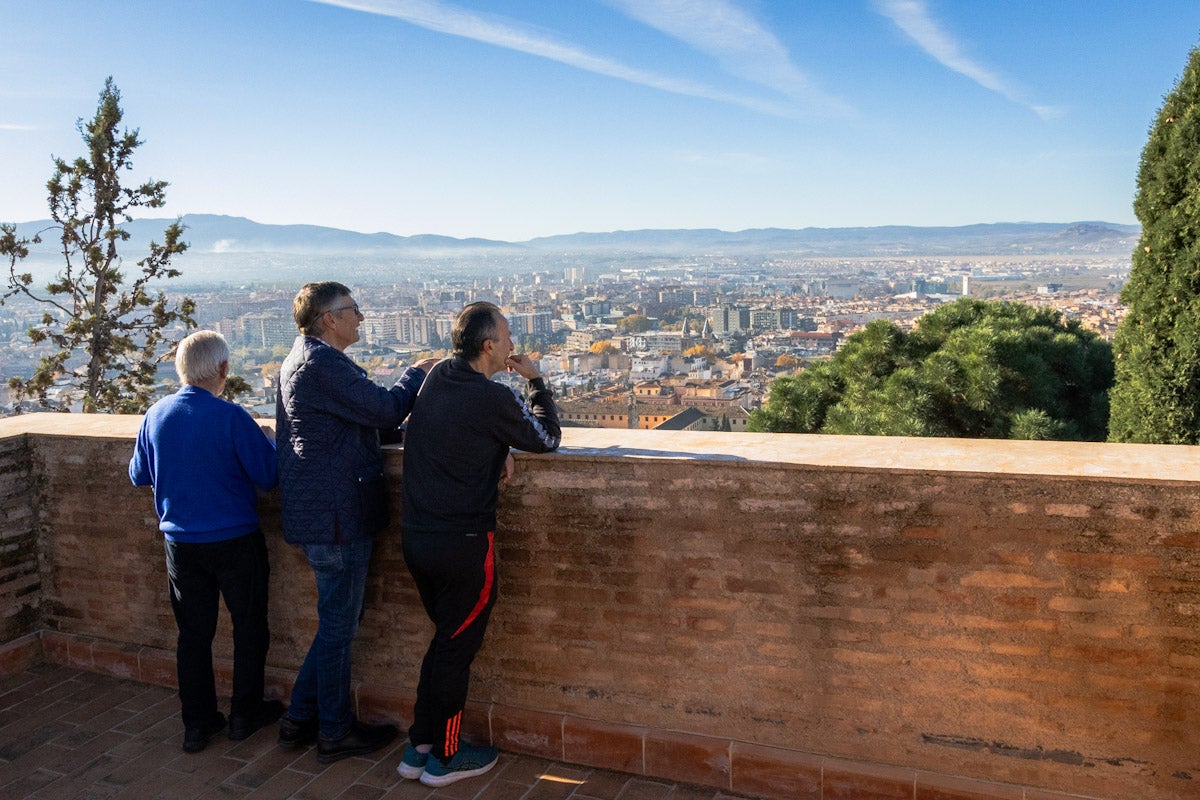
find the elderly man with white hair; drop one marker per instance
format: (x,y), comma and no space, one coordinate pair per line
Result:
(205,458)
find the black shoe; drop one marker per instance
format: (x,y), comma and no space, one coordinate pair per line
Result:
(196,739)
(240,727)
(360,740)
(294,734)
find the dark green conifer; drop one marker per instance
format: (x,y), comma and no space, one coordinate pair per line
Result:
(1156,398)
(972,368)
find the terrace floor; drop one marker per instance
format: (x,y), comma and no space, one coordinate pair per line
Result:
(69,734)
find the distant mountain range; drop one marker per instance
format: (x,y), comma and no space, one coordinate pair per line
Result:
(218,235)
(237,250)
(889,240)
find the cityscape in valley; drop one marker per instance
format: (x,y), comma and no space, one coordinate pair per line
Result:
(630,334)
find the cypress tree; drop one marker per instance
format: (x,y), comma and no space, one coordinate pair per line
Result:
(1156,396)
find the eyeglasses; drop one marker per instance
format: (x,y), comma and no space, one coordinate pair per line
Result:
(342,308)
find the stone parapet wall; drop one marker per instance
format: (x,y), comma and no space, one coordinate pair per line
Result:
(997,619)
(20,577)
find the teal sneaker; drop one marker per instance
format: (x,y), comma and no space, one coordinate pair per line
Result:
(412,763)
(466,763)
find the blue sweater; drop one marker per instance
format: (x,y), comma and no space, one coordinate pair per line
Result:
(204,456)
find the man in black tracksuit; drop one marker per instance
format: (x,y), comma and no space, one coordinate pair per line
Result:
(456,454)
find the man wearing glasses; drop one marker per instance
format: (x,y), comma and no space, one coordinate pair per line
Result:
(333,500)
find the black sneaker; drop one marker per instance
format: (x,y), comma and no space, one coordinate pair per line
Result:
(240,727)
(294,734)
(359,740)
(196,739)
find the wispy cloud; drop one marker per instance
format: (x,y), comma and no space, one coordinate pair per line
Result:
(10,126)
(738,41)
(501,32)
(913,17)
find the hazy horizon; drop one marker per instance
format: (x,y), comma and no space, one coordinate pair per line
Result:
(166,220)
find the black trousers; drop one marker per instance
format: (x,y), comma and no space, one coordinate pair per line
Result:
(198,575)
(456,577)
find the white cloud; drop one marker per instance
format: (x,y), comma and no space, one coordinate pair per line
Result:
(11,126)
(454,21)
(739,42)
(912,16)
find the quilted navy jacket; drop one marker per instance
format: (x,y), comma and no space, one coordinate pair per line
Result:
(327,415)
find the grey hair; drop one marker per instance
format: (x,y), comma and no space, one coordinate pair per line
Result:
(473,326)
(199,357)
(312,301)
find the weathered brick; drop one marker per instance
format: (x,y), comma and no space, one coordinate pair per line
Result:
(812,609)
(1107,561)
(1116,606)
(1068,510)
(688,758)
(607,745)
(994,579)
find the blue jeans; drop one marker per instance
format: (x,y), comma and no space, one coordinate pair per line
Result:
(322,689)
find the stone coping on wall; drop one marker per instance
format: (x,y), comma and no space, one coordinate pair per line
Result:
(1142,462)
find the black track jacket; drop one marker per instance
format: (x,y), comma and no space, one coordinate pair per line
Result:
(458,435)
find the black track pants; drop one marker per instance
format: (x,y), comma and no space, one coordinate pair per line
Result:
(456,577)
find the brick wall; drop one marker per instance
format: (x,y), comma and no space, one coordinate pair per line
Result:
(20,581)
(788,616)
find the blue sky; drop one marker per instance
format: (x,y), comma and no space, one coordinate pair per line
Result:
(511,119)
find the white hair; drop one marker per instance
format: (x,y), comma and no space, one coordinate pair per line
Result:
(199,356)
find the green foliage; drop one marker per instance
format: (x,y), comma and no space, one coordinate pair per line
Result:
(969,369)
(1035,424)
(89,309)
(235,387)
(634,323)
(1156,398)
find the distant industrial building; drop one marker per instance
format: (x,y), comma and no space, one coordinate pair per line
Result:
(727,319)
(390,328)
(582,340)
(530,324)
(265,330)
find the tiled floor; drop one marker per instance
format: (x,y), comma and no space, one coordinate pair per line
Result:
(72,735)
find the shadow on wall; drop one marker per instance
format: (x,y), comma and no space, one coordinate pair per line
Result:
(639,452)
